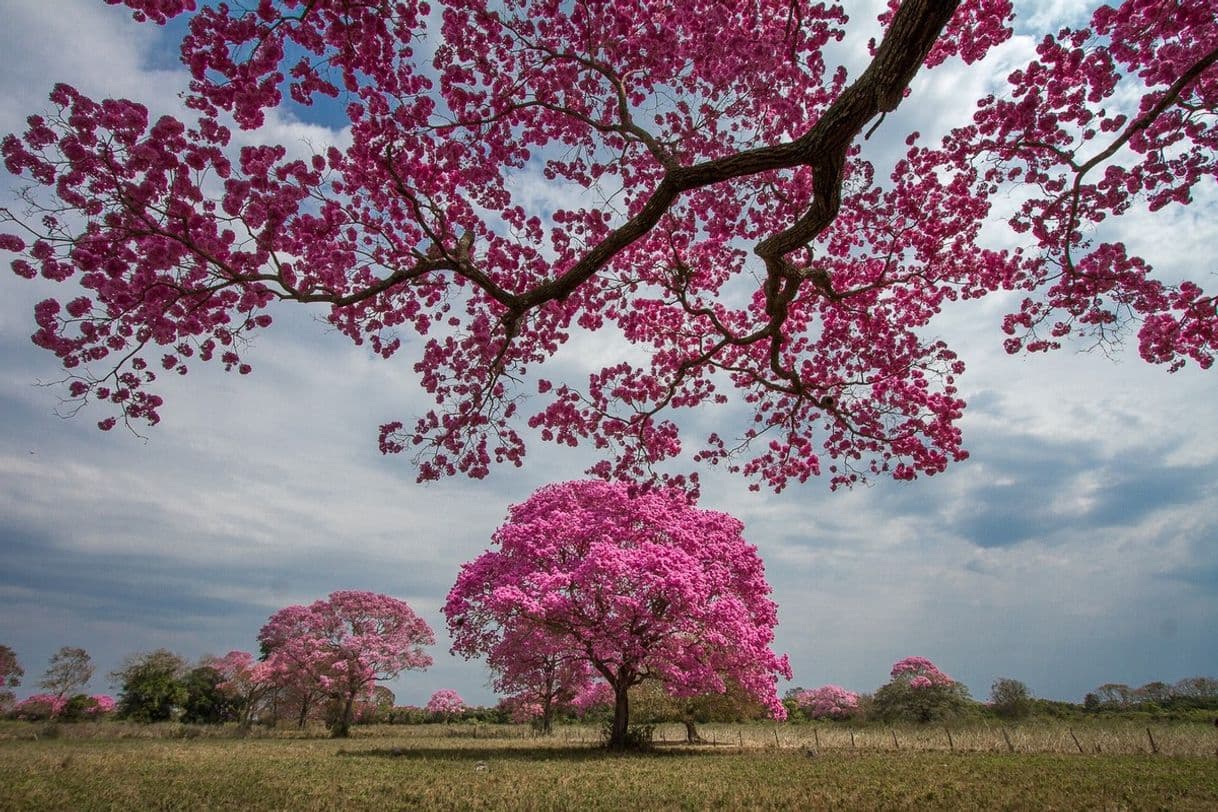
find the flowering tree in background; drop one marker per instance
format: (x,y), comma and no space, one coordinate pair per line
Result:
(726,220)
(40,707)
(828,701)
(920,692)
(445,703)
(70,670)
(640,586)
(11,673)
(595,698)
(537,668)
(248,682)
(522,710)
(344,644)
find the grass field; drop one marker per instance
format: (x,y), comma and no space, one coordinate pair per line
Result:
(92,767)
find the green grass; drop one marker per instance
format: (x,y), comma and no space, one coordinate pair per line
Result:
(395,768)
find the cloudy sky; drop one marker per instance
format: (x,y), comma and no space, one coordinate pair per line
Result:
(1077,546)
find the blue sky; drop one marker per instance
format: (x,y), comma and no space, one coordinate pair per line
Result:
(1077,546)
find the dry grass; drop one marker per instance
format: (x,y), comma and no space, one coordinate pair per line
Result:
(489,767)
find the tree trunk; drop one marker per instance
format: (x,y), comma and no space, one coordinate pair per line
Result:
(691,732)
(621,719)
(547,715)
(304,713)
(342,726)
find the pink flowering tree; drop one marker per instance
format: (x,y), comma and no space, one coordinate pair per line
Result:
(919,692)
(11,673)
(828,702)
(640,586)
(248,682)
(100,705)
(40,707)
(537,668)
(522,709)
(445,703)
(344,644)
(725,219)
(593,699)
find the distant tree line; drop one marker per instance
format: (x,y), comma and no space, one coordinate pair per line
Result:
(918,692)
(240,689)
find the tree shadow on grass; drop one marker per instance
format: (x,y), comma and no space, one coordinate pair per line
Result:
(533,753)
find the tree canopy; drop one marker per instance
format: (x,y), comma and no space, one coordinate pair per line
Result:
(639,586)
(344,644)
(711,204)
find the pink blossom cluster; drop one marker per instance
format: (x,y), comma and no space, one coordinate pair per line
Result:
(594,696)
(101,705)
(919,672)
(522,709)
(707,148)
(828,701)
(40,706)
(445,702)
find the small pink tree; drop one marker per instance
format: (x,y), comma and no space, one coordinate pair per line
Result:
(247,681)
(445,703)
(638,585)
(828,701)
(919,672)
(537,667)
(344,644)
(920,692)
(40,707)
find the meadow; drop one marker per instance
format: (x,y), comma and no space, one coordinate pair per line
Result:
(117,766)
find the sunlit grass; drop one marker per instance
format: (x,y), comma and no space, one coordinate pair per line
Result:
(466,766)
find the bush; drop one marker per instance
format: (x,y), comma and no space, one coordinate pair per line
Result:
(638,737)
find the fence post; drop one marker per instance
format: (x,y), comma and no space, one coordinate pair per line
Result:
(740,733)
(816,736)
(1010,746)
(951,745)
(1076,742)
(895,744)
(1154,748)
(776,742)
(851,738)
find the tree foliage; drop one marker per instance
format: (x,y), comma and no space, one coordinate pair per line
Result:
(11,673)
(150,685)
(206,701)
(640,586)
(722,216)
(1010,698)
(344,644)
(538,669)
(247,683)
(828,702)
(70,670)
(919,692)
(445,703)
